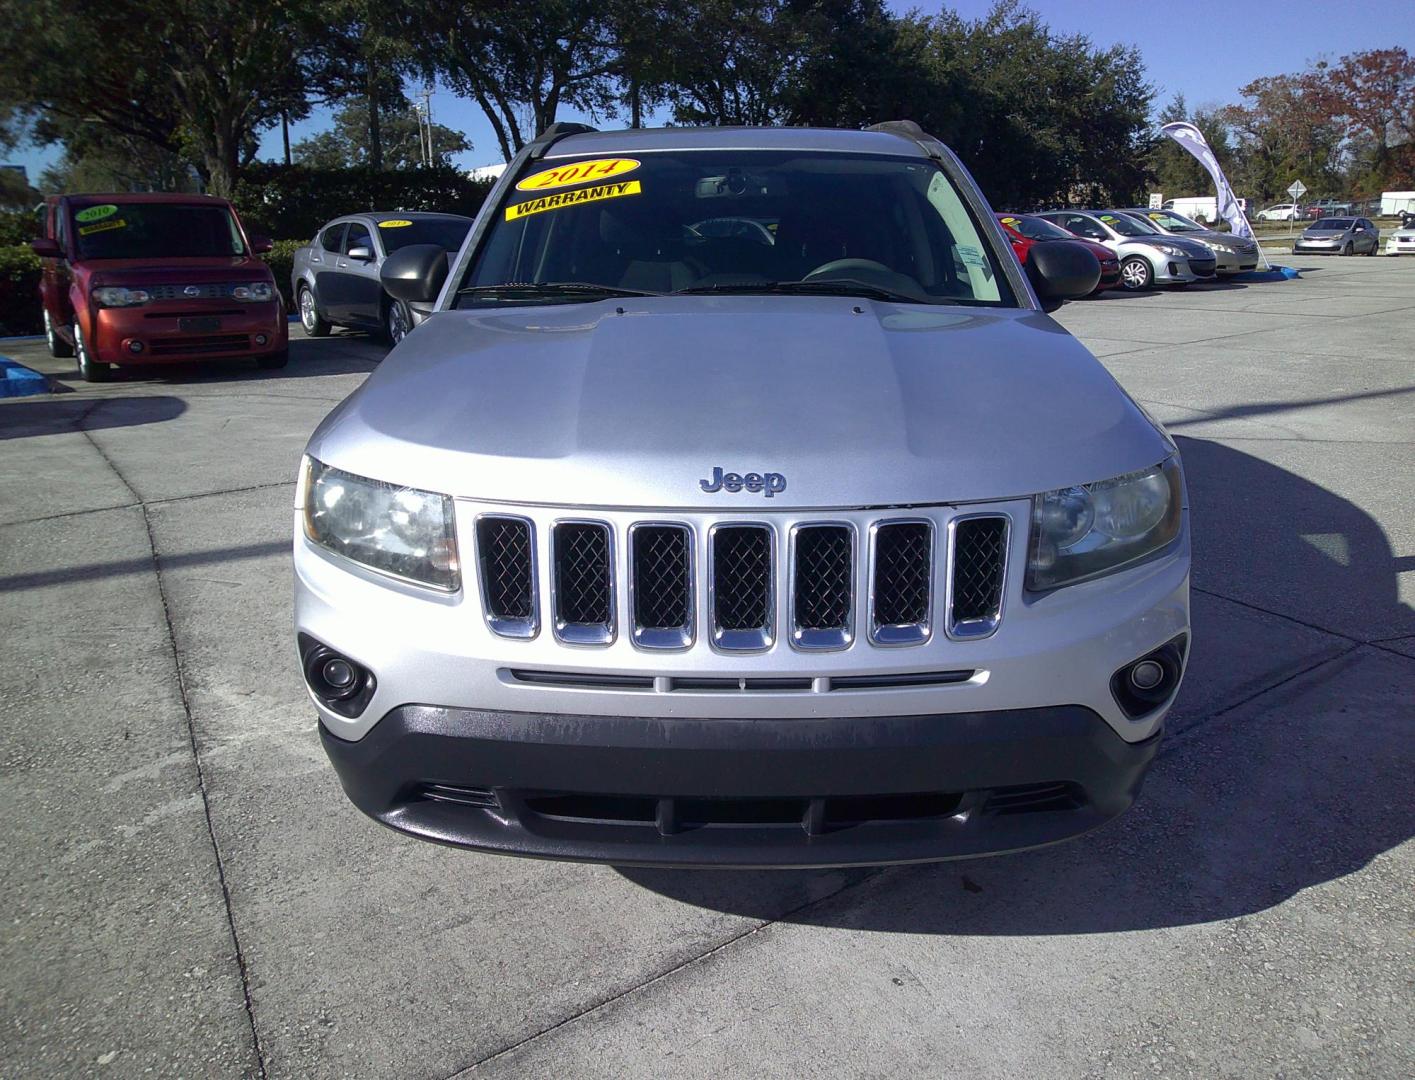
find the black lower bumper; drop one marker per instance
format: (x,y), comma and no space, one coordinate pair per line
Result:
(733,792)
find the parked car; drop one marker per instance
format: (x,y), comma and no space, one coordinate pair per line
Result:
(1326,208)
(1147,257)
(1024,230)
(1401,241)
(155,279)
(1339,236)
(334,279)
(1279,212)
(1232,254)
(653,547)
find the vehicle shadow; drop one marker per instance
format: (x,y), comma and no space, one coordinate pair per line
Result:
(22,419)
(343,353)
(1245,807)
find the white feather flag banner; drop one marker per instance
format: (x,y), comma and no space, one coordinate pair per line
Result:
(1192,139)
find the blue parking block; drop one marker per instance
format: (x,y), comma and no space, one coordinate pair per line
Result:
(16,380)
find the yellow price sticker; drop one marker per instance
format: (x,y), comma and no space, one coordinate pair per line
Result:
(577,172)
(572,198)
(396,223)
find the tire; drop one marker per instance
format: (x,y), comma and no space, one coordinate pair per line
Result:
(58,347)
(273,361)
(1348,249)
(397,321)
(89,370)
(314,324)
(1136,274)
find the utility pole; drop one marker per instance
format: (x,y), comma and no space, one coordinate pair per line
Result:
(424,110)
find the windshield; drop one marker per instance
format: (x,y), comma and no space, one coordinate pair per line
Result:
(1167,219)
(1336,224)
(735,221)
(156,231)
(445,233)
(1127,226)
(1037,229)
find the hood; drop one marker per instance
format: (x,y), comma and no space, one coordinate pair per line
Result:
(632,402)
(1323,234)
(178,271)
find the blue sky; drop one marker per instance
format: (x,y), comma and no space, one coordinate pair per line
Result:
(1203,49)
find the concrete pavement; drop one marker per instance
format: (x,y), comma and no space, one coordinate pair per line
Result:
(187,891)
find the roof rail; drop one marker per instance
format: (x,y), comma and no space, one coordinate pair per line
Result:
(557,131)
(907,129)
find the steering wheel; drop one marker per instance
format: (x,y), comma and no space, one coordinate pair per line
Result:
(850,268)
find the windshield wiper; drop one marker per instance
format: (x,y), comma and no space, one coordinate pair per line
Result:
(833,287)
(536,290)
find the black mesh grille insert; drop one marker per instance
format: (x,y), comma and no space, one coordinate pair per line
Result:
(582,590)
(662,577)
(741,577)
(504,548)
(903,572)
(824,566)
(979,550)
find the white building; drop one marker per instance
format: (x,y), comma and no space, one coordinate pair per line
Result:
(488,172)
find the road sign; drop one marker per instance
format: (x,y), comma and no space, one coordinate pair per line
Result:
(1297,190)
(1156,200)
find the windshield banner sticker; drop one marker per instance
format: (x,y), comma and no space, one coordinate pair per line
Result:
(577,173)
(399,223)
(103,226)
(573,198)
(96,213)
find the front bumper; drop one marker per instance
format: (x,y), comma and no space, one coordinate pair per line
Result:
(1316,247)
(1235,262)
(834,791)
(183,331)
(1179,269)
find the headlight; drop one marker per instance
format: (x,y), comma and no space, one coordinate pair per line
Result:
(117,296)
(1171,250)
(1092,529)
(396,530)
(256,291)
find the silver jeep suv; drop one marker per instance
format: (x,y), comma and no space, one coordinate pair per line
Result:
(739,504)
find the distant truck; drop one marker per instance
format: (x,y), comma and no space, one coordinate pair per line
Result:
(1397,203)
(1199,207)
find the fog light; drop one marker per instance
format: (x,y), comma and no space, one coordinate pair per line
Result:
(343,685)
(1145,675)
(261,339)
(340,675)
(1144,684)
(135,347)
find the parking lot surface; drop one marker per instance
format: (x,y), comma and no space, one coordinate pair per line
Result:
(186,890)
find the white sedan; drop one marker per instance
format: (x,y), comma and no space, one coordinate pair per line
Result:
(1402,241)
(1280,212)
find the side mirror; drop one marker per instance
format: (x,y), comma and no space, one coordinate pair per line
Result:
(361,253)
(415,273)
(261,244)
(1060,271)
(45,248)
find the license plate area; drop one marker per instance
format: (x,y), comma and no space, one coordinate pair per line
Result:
(199,324)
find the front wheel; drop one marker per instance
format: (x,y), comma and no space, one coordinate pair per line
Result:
(397,321)
(310,319)
(1135,273)
(90,370)
(1347,249)
(58,347)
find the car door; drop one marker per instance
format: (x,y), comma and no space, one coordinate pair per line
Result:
(1370,236)
(359,267)
(58,274)
(325,252)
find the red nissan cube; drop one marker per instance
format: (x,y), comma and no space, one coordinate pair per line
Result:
(155,279)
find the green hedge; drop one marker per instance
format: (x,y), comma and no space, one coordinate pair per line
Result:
(281,200)
(18,227)
(282,261)
(19,291)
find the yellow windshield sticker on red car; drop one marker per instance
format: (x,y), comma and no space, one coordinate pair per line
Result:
(397,223)
(578,172)
(96,213)
(572,198)
(1008,220)
(103,226)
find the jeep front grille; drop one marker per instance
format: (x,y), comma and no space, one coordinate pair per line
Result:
(661,569)
(584,583)
(978,562)
(823,586)
(506,566)
(741,585)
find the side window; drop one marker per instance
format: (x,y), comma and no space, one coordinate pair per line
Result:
(358,237)
(1082,226)
(333,238)
(61,228)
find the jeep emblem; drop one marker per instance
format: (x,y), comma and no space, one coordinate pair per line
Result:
(770,483)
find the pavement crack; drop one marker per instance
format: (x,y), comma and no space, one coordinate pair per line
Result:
(182,691)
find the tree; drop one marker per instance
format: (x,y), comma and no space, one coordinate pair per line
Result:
(1176,171)
(348,142)
(1372,94)
(200,78)
(1284,131)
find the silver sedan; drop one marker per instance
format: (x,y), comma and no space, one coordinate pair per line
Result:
(1339,236)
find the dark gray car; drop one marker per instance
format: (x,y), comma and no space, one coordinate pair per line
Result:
(1339,236)
(335,277)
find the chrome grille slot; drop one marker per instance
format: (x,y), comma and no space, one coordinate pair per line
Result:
(901,583)
(742,596)
(661,585)
(823,586)
(977,571)
(582,557)
(506,569)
